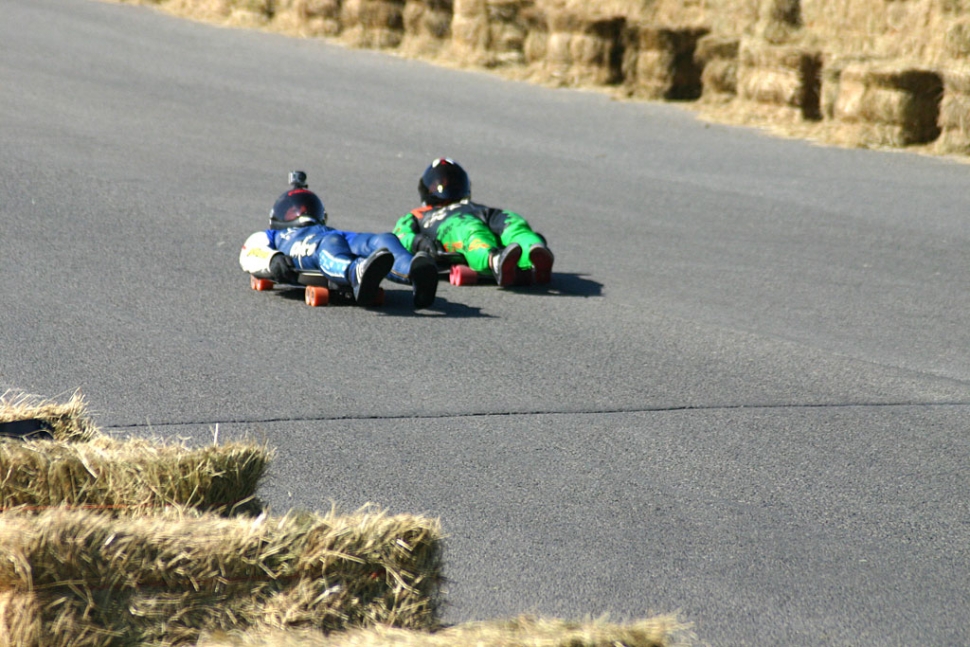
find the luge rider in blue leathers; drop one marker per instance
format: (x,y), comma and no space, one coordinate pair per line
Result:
(300,240)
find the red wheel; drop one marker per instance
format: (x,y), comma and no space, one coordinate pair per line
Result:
(379,299)
(260,285)
(316,295)
(462,275)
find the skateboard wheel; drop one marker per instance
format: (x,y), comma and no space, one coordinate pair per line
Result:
(316,295)
(462,275)
(379,299)
(261,285)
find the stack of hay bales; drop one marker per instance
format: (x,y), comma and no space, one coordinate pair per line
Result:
(79,579)
(888,103)
(121,543)
(83,468)
(576,48)
(660,62)
(105,543)
(822,69)
(779,67)
(783,77)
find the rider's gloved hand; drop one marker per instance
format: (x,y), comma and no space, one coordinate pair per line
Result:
(280,268)
(424,243)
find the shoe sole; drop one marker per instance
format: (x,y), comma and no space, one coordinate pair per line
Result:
(541,260)
(507,270)
(424,279)
(370,282)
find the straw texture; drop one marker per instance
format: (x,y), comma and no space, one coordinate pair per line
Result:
(80,579)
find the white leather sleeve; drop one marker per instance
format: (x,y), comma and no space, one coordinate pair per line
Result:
(256,254)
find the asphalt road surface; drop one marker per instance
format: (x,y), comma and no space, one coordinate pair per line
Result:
(743,398)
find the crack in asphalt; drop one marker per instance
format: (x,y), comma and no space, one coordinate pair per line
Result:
(543,412)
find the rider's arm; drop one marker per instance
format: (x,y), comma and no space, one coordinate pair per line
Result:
(406,229)
(256,254)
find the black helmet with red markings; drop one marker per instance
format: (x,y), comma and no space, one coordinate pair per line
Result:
(444,182)
(298,207)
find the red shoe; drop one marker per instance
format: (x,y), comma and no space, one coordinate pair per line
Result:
(541,258)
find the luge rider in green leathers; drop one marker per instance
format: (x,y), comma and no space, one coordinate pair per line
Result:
(490,239)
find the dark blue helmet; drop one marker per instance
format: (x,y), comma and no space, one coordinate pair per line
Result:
(298,207)
(444,182)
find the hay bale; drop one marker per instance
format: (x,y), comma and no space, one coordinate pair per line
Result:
(130,477)
(576,50)
(659,631)
(509,22)
(718,58)
(307,18)
(470,29)
(427,26)
(68,421)
(955,112)
(659,62)
(83,579)
(831,78)
(377,24)
(899,104)
(783,76)
(492,32)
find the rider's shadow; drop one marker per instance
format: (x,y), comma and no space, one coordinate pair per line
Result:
(566,285)
(399,303)
(562,285)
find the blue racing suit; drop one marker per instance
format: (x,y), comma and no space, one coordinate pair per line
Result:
(320,248)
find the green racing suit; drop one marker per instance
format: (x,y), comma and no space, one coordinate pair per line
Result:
(471,229)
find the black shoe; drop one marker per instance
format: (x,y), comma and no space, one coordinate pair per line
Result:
(423,274)
(366,276)
(503,264)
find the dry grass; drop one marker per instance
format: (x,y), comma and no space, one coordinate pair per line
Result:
(78,579)
(525,631)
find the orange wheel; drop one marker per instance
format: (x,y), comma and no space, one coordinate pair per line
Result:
(462,275)
(316,295)
(260,284)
